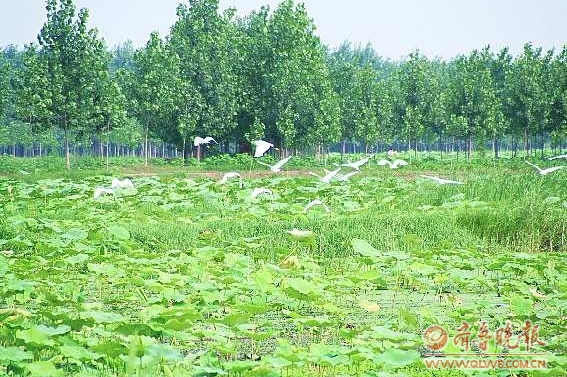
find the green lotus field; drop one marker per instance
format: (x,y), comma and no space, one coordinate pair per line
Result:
(184,276)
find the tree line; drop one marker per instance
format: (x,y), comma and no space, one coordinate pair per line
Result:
(268,75)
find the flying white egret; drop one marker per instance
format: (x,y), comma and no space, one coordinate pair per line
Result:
(442,181)
(261,147)
(277,167)
(356,165)
(393,164)
(315,202)
(327,178)
(230,175)
(122,184)
(346,176)
(200,141)
(558,157)
(260,190)
(545,171)
(102,191)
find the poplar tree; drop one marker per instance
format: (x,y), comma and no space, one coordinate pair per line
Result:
(72,62)
(151,87)
(202,41)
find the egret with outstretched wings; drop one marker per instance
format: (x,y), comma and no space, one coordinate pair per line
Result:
(262,147)
(442,181)
(545,171)
(277,167)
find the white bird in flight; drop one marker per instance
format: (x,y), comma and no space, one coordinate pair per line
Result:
(316,202)
(545,171)
(102,191)
(558,157)
(327,178)
(346,176)
(230,175)
(122,184)
(356,165)
(259,191)
(200,141)
(277,167)
(262,147)
(393,164)
(443,181)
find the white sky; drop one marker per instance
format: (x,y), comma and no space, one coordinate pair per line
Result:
(437,28)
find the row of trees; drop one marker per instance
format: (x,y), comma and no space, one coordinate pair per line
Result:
(267,75)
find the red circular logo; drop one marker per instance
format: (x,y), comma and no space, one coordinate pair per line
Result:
(435,337)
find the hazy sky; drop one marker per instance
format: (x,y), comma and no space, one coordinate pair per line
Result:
(438,28)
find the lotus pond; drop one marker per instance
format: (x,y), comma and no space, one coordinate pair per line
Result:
(186,277)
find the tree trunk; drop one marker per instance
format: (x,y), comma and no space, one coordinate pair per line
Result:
(107,144)
(542,144)
(146,147)
(469,147)
(457,147)
(66,137)
(525,141)
(184,152)
(495,146)
(415,151)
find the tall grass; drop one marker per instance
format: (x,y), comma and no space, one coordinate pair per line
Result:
(519,211)
(503,204)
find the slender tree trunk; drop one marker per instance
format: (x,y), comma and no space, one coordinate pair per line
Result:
(184,151)
(107,143)
(146,146)
(469,147)
(456,145)
(343,150)
(542,144)
(495,146)
(66,137)
(415,151)
(525,141)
